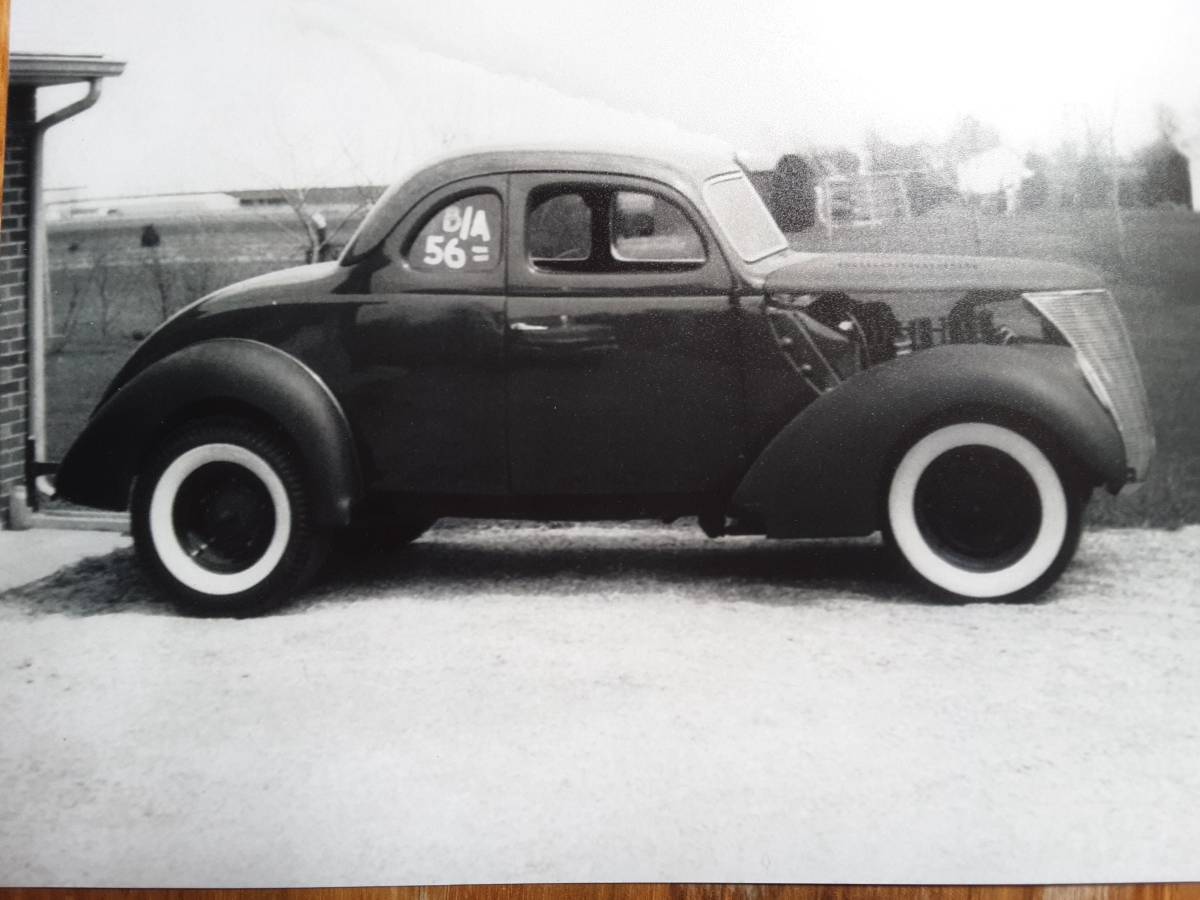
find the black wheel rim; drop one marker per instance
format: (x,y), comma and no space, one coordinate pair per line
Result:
(978,508)
(224,518)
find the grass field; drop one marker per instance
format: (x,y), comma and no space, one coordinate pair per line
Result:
(1153,269)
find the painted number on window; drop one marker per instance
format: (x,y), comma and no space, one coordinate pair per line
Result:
(462,236)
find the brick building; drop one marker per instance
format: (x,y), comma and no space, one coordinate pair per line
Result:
(22,245)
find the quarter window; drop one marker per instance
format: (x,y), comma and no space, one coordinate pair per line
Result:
(462,236)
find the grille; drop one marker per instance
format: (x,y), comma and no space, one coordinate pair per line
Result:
(1092,323)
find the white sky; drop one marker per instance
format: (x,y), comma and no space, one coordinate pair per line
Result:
(244,93)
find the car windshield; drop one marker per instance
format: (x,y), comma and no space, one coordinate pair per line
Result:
(743,217)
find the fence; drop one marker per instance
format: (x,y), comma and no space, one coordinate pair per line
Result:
(869,199)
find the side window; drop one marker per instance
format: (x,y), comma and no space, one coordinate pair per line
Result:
(462,236)
(558,228)
(597,228)
(649,229)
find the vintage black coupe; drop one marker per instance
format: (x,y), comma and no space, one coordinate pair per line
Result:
(569,335)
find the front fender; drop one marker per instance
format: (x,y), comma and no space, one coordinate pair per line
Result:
(824,474)
(225,374)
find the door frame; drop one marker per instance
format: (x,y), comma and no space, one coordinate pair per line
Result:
(524,278)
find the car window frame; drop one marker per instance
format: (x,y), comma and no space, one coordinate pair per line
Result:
(553,264)
(679,263)
(581,277)
(398,273)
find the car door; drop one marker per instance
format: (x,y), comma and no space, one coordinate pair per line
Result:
(427,393)
(623,372)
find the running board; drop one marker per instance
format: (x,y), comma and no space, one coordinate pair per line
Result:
(22,517)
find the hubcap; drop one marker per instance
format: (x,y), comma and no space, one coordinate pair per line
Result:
(223,517)
(978,508)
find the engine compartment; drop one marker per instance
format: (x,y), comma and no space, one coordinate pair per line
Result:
(830,336)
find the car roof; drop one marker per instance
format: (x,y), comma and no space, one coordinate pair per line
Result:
(685,169)
(694,164)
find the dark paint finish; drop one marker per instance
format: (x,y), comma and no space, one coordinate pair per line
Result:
(622,381)
(823,474)
(527,391)
(653,404)
(415,359)
(775,392)
(427,389)
(228,376)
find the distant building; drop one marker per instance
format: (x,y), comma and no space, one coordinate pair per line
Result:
(155,205)
(998,173)
(318,196)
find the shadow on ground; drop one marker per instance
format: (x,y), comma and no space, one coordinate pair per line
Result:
(530,561)
(100,584)
(459,564)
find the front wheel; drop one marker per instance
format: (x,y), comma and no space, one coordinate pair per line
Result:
(221,519)
(978,511)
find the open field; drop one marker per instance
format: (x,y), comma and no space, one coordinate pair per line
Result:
(1156,281)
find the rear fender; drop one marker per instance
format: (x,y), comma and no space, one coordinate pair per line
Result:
(824,474)
(225,375)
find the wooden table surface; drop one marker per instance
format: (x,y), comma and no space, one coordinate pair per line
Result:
(1153,891)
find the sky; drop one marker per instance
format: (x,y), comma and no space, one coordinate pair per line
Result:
(224,94)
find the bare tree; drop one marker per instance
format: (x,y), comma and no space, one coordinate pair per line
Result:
(102,269)
(161,282)
(197,278)
(76,302)
(312,222)
(1118,219)
(82,282)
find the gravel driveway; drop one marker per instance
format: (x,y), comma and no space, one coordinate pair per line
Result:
(625,703)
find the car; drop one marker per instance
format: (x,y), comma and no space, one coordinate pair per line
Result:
(584,335)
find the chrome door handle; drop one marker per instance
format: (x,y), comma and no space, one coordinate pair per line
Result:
(528,326)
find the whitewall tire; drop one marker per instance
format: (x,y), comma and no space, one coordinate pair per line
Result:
(220,518)
(185,563)
(980,512)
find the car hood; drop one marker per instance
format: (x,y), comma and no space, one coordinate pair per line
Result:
(887,272)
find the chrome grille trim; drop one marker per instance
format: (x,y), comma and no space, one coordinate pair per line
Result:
(1092,323)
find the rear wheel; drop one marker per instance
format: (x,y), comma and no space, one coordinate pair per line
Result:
(221,520)
(978,511)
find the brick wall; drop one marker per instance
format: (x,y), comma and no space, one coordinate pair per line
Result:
(14,279)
